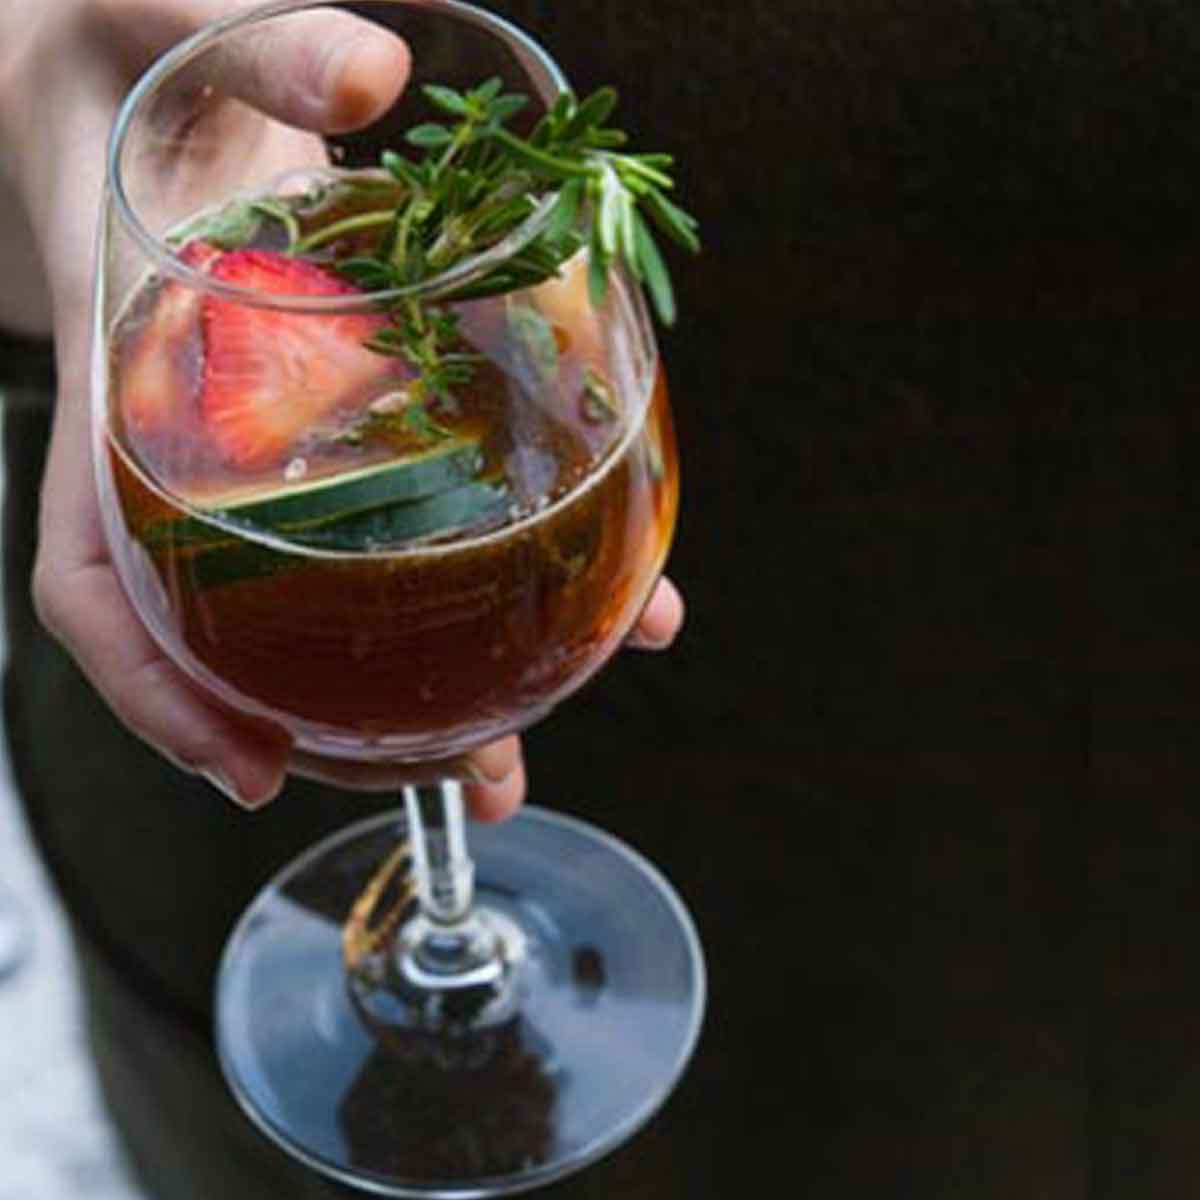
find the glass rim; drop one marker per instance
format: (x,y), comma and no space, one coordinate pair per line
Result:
(164,258)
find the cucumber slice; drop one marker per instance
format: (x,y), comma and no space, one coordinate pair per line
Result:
(331,499)
(387,527)
(397,524)
(302,505)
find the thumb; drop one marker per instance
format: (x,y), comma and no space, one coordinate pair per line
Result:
(324,70)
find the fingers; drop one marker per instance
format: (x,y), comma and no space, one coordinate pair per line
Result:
(494,776)
(497,801)
(87,610)
(661,619)
(322,70)
(325,71)
(81,602)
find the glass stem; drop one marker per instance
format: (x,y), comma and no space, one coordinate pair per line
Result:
(450,946)
(444,871)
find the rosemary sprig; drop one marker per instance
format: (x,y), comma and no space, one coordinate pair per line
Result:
(476,182)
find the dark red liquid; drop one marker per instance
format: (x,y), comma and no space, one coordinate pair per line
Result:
(408,649)
(431,649)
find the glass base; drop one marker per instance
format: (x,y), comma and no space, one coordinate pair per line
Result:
(608,995)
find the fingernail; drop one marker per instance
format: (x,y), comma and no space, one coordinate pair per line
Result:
(497,801)
(641,641)
(496,762)
(476,773)
(225,785)
(473,772)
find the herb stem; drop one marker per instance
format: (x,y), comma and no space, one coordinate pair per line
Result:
(283,214)
(476,183)
(552,165)
(461,136)
(402,256)
(355,224)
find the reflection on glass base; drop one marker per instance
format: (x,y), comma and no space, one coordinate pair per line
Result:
(401,990)
(582,1044)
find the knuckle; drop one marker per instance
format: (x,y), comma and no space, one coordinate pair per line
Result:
(50,597)
(107,17)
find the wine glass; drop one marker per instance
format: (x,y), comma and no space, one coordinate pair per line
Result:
(397,1013)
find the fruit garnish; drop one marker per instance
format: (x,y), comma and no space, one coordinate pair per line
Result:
(329,500)
(476,183)
(161,372)
(218,558)
(270,376)
(563,301)
(474,506)
(395,525)
(471,183)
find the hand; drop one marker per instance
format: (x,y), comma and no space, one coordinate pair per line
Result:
(63,72)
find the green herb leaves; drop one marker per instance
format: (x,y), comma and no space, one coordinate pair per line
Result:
(237,224)
(473,184)
(478,181)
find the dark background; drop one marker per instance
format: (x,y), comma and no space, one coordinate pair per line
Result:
(925,754)
(923,763)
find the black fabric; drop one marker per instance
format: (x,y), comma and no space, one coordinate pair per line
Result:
(923,763)
(27,364)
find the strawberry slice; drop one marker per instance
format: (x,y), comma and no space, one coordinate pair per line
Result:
(270,375)
(160,369)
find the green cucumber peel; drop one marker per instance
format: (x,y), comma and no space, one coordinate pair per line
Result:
(390,527)
(312,504)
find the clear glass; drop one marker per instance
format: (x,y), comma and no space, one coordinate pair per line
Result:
(537,999)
